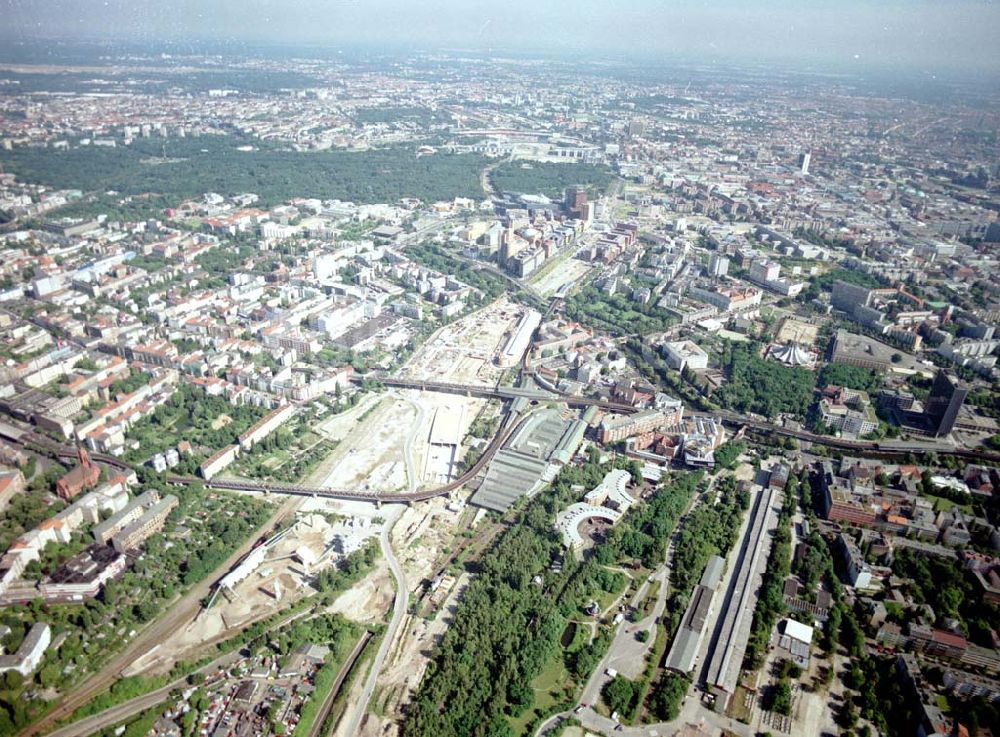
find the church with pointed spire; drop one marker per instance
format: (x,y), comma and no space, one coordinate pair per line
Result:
(84,476)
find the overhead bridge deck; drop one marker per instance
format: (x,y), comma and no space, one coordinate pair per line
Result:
(502,392)
(44,444)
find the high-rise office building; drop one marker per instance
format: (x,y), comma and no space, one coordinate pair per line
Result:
(575,202)
(848,297)
(804,159)
(944,402)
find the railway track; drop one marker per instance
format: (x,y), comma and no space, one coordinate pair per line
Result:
(41,443)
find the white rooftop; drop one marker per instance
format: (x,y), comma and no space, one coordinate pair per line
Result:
(798,631)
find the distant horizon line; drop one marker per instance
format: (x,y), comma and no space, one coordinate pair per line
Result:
(794,65)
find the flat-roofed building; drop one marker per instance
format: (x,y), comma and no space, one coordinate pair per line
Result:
(728,299)
(218,461)
(619,427)
(151,522)
(266,425)
(29,655)
(858,350)
(104,531)
(683,354)
(519,342)
(684,649)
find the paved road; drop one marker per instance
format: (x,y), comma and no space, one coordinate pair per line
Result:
(626,654)
(418,423)
(324,709)
(398,612)
(178,615)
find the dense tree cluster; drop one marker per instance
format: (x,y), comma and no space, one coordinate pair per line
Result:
(617,313)
(621,695)
(643,534)
(709,530)
(778,698)
(814,565)
(727,453)
(550,179)
(655,368)
(667,695)
(26,510)
(882,697)
(851,377)
(418,115)
(504,630)
(511,619)
(194,416)
(950,589)
(582,661)
(136,379)
(764,387)
(214,164)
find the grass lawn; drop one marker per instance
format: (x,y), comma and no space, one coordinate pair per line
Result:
(605,598)
(941,504)
(276,459)
(738,709)
(550,690)
(650,601)
(548,268)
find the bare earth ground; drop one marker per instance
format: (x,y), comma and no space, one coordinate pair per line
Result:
(253,598)
(418,537)
(371,453)
(569,271)
(464,351)
(370,456)
(797,331)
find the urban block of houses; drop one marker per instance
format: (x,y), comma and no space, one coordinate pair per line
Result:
(847,410)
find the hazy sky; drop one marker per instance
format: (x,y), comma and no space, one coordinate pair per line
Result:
(923,34)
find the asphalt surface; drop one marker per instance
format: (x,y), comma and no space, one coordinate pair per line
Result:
(398,612)
(331,696)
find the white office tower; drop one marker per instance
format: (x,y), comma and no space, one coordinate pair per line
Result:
(804,160)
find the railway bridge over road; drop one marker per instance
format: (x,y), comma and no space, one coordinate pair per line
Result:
(499,392)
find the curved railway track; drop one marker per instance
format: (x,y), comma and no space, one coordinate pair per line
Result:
(48,446)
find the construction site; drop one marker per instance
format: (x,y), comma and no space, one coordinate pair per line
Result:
(465,351)
(392,440)
(273,575)
(420,537)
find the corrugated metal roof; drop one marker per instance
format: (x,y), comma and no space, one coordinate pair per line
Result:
(713,572)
